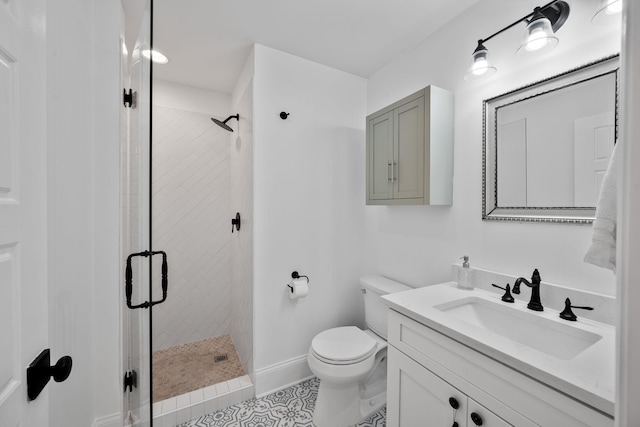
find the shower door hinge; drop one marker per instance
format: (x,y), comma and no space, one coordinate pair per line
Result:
(130,380)
(129,98)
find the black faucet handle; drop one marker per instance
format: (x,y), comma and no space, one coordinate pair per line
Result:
(535,277)
(507,297)
(567,313)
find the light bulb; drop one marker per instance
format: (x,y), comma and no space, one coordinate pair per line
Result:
(538,36)
(480,66)
(614,7)
(608,13)
(537,40)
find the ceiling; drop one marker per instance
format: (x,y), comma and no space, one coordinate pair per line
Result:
(208,41)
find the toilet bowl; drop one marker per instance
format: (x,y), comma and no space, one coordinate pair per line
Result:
(351,363)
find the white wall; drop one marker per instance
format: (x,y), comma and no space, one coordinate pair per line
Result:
(191,203)
(417,244)
(308,203)
(188,98)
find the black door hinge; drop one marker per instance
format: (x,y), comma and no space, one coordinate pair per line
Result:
(130,380)
(129,98)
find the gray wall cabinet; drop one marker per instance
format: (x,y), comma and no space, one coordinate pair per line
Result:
(410,150)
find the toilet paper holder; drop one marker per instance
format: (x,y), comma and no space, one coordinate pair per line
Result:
(296,275)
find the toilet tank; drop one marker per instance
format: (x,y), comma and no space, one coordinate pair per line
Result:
(375,311)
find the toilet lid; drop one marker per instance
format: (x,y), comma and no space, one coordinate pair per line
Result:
(344,344)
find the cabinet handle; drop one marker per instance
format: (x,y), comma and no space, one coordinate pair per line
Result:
(477,419)
(394,171)
(389,171)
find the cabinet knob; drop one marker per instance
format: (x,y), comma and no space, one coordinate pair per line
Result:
(477,419)
(454,403)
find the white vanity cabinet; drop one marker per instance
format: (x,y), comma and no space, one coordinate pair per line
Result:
(410,150)
(425,399)
(427,368)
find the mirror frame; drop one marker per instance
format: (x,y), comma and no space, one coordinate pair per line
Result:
(571,215)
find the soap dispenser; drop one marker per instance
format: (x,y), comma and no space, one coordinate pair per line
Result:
(465,274)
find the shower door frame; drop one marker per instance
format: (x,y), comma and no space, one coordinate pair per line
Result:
(137,314)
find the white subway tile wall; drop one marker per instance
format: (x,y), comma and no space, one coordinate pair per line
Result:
(191,222)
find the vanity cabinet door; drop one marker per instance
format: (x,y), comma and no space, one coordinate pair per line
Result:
(408,150)
(380,157)
(416,397)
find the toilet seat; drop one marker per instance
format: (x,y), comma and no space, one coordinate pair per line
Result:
(343,346)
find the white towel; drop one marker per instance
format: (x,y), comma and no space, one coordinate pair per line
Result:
(602,250)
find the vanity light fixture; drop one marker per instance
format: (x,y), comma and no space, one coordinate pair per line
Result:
(542,24)
(480,66)
(539,35)
(608,12)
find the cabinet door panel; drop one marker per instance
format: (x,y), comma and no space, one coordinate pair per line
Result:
(416,397)
(380,156)
(409,149)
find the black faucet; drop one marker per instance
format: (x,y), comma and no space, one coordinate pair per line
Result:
(534,303)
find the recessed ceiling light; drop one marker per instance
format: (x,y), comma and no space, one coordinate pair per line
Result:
(155,56)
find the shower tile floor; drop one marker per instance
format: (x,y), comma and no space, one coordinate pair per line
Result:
(184,368)
(290,407)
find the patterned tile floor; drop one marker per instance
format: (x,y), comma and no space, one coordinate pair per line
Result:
(184,368)
(290,407)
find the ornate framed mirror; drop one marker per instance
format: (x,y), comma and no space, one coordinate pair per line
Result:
(546,146)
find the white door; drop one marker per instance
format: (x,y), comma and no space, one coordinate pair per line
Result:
(23,245)
(593,144)
(512,175)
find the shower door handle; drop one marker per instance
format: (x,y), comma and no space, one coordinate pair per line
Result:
(129,279)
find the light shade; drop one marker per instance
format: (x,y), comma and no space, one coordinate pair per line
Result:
(608,12)
(539,36)
(155,56)
(480,66)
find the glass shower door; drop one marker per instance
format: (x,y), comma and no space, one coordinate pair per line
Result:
(136,214)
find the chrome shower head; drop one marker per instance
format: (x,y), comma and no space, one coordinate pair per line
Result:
(224,124)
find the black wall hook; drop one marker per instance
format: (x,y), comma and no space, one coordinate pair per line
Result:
(284,115)
(235,222)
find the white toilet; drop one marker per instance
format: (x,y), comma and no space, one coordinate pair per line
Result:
(351,363)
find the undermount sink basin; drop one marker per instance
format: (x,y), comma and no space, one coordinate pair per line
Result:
(560,340)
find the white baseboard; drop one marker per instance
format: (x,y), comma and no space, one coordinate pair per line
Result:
(281,375)
(114,420)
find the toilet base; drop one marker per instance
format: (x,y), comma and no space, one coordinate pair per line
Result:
(342,405)
(349,394)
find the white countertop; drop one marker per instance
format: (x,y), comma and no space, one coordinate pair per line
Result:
(588,377)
